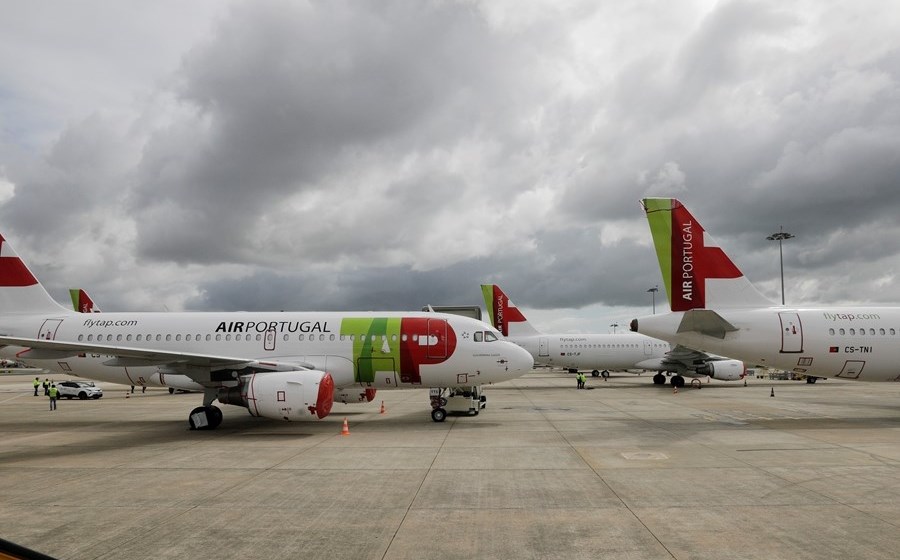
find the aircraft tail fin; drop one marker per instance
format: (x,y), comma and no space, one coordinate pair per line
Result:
(504,315)
(82,302)
(20,291)
(697,274)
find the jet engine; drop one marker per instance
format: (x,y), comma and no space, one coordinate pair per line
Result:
(286,395)
(351,395)
(726,370)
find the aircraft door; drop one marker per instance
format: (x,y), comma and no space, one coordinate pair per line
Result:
(436,344)
(791,333)
(648,348)
(852,369)
(269,340)
(48,329)
(544,349)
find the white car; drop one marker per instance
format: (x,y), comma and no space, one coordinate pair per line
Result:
(80,389)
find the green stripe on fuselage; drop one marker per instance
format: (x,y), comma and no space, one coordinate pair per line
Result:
(376,343)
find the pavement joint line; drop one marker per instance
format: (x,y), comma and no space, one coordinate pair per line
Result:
(605,483)
(418,489)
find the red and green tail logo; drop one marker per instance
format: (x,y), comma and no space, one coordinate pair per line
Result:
(501,310)
(684,259)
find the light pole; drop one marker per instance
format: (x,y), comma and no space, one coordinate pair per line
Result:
(779,237)
(653,291)
(614,326)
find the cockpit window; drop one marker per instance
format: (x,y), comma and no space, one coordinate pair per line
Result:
(479,336)
(489,336)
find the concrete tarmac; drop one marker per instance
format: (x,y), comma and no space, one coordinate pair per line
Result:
(624,469)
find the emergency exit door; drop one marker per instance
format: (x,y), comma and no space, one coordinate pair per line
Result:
(791,333)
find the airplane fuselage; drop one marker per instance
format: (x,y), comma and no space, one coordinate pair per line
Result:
(592,351)
(847,342)
(380,350)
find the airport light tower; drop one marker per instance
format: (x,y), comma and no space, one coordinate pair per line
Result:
(653,291)
(780,236)
(614,326)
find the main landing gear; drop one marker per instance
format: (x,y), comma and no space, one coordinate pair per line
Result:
(676,381)
(206,417)
(468,401)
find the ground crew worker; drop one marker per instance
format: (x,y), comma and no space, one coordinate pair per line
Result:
(583,379)
(37,383)
(53,392)
(46,385)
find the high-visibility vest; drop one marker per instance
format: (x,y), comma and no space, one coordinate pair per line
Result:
(37,383)
(53,392)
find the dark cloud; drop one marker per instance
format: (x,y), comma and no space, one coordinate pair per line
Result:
(337,155)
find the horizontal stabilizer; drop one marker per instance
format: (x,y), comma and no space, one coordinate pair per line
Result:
(705,321)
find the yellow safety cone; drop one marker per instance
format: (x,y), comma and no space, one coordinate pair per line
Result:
(345,431)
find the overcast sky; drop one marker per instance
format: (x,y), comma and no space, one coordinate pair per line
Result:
(335,155)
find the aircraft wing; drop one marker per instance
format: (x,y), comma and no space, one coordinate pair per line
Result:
(679,359)
(195,366)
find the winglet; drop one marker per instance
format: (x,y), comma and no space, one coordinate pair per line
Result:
(697,274)
(504,315)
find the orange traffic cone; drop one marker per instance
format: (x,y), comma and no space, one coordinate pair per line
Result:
(382,407)
(674,389)
(345,431)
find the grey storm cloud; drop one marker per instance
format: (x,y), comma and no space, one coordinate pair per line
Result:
(390,154)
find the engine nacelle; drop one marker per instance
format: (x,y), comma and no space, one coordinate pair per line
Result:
(285,395)
(726,370)
(353,395)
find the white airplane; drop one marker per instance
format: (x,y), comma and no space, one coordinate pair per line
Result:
(83,303)
(602,352)
(277,365)
(716,309)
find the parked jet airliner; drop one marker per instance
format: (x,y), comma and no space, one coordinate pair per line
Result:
(277,365)
(598,352)
(716,309)
(83,303)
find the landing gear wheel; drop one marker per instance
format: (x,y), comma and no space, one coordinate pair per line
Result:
(595,373)
(811,379)
(604,374)
(205,418)
(171,390)
(677,381)
(659,379)
(438,414)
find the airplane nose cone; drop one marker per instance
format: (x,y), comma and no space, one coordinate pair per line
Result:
(520,360)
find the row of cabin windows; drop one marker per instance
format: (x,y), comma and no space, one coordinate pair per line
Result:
(570,346)
(486,336)
(863,332)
